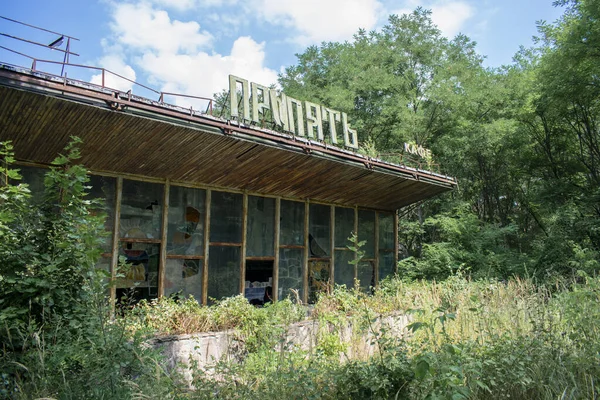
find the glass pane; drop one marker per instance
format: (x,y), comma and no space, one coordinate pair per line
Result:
(34,177)
(366,231)
(141,210)
(318,278)
(261,227)
(386,231)
(292,223)
(290,272)
(140,271)
(344,271)
(184,277)
(319,229)
(103,188)
(366,274)
(386,264)
(223,271)
(226,217)
(344,225)
(185,231)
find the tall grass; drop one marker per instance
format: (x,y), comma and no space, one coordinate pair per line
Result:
(469,340)
(509,339)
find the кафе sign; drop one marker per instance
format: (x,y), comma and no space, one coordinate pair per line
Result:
(301,118)
(417,150)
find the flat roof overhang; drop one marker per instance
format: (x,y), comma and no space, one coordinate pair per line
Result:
(125,134)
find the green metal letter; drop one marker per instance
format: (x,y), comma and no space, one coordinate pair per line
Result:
(257,105)
(297,105)
(350,135)
(233,97)
(279,107)
(333,117)
(313,120)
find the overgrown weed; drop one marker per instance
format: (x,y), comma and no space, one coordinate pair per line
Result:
(171,316)
(467,340)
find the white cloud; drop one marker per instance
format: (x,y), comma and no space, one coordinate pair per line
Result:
(203,74)
(115,63)
(176,56)
(450,17)
(217,3)
(401,11)
(408,7)
(176,4)
(319,20)
(184,5)
(141,26)
(225,24)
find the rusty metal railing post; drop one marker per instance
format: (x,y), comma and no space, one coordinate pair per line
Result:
(103,77)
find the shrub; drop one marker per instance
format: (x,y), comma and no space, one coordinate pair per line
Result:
(58,340)
(47,251)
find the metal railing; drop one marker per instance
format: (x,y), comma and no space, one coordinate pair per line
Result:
(396,157)
(103,71)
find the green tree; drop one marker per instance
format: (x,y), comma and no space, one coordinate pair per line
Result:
(388,81)
(408,83)
(56,336)
(47,250)
(521,139)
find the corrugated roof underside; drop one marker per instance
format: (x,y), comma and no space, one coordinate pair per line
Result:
(40,126)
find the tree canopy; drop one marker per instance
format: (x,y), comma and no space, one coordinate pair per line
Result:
(522,139)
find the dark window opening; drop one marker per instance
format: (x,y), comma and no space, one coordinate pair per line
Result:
(259,281)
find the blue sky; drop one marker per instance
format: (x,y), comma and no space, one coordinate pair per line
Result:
(190,46)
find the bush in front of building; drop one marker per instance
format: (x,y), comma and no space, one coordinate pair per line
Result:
(57,338)
(48,248)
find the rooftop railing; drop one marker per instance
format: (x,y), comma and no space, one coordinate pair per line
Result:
(56,44)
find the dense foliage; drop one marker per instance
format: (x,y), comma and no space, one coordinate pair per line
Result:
(523,139)
(56,336)
(48,247)
(468,339)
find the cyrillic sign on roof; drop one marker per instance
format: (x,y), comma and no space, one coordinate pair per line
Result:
(301,118)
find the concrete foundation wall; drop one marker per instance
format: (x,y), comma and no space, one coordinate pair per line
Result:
(203,350)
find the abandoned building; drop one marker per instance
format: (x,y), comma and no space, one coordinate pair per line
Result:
(210,206)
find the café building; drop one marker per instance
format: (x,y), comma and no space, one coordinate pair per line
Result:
(259,201)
